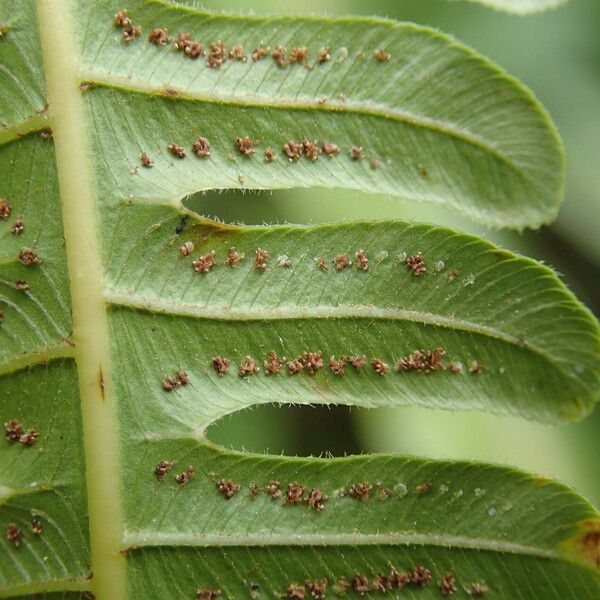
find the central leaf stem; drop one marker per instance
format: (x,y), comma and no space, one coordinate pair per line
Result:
(90,331)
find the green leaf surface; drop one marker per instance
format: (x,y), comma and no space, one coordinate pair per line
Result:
(107,308)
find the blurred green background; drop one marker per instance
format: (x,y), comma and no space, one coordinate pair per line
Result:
(557,54)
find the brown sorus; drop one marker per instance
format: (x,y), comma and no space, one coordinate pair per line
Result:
(185,476)
(420,575)
(186,248)
(273,363)
(190,48)
(27,256)
(423,488)
(356,153)
(253,491)
(381,55)
(13,430)
(177,150)
(131,33)
(448,585)
(36,526)
(294,494)
(146,160)
(316,500)
(273,489)
(362,261)
(237,53)
(201,147)
(422,360)
(245,145)
(295,592)
(159,36)
(183,39)
(227,488)
(221,364)
(357,362)
(323,55)
(322,264)
(216,55)
(475,367)
(416,264)
(330,149)
(21,285)
(205,263)
(279,55)
(478,589)
(382,583)
(162,468)
(360,584)
(260,52)
(14,535)
(270,155)
(170,383)
(337,366)
(453,274)
(46,133)
(311,150)
(340,262)
(233,257)
(260,259)
(383,492)
(5,208)
(248,367)
(360,491)
(183,377)
(30,437)
(312,361)
(207,594)
(295,366)
(379,366)
(399,580)
(194,50)
(293,150)
(122,19)
(375,164)
(317,588)
(298,55)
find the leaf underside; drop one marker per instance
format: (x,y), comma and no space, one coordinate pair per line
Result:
(441,318)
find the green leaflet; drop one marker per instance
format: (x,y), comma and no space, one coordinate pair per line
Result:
(501,164)
(108,308)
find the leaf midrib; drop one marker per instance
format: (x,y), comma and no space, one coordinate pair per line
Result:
(90,328)
(139,539)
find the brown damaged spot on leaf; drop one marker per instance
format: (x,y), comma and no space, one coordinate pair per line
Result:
(101,382)
(586,544)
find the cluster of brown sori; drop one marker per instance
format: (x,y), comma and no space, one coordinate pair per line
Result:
(205,263)
(292,150)
(418,576)
(15,535)
(361,584)
(424,361)
(295,493)
(217,53)
(14,432)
